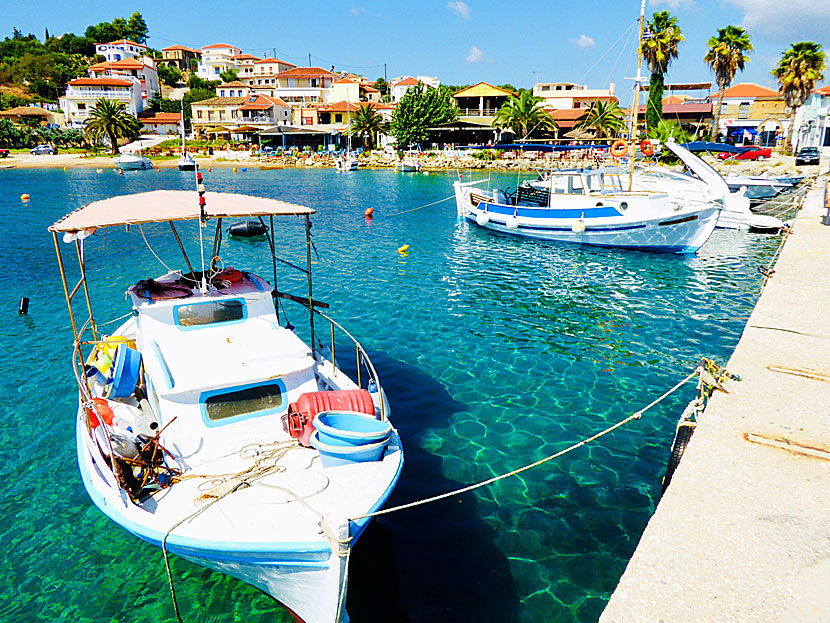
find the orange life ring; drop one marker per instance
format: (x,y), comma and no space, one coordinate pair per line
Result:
(647,148)
(230,274)
(619,148)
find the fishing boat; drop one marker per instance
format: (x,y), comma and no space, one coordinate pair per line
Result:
(133,162)
(590,207)
(701,181)
(346,161)
(206,426)
(186,160)
(409,165)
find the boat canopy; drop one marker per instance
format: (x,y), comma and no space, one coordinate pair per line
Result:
(536,147)
(706,146)
(171,205)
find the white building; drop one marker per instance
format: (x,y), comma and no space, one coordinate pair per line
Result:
(142,69)
(217,58)
(121,49)
(246,64)
(568,95)
(304,85)
(813,122)
(400,84)
(263,79)
(83,93)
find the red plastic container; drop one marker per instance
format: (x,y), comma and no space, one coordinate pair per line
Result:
(298,421)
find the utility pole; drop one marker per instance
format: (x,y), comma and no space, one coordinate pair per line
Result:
(384,72)
(309,59)
(536,77)
(275,52)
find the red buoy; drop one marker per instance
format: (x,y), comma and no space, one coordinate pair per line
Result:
(120,171)
(368,213)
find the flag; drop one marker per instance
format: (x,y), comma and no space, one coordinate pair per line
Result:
(747,135)
(647,34)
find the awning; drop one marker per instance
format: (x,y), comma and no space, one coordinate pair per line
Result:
(740,131)
(245,128)
(220,129)
(160,206)
(278,130)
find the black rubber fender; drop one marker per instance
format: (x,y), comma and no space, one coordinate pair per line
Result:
(681,440)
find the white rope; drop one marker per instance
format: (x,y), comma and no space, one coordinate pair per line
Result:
(423,206)
(141,229)
(634,416)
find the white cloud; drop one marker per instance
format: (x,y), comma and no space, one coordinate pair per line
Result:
(672,4)
(459,8)
(358,10)
(790,21)
(583,41)
(475,55)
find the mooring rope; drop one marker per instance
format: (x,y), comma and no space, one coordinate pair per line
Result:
(429,205)
(634,416)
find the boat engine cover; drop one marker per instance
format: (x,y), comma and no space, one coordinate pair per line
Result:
(298,421)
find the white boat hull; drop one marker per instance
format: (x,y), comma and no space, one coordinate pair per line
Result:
(673,231)
(129,162)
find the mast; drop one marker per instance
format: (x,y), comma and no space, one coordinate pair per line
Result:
(182,128)
(637,81)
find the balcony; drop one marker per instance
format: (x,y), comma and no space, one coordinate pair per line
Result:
(94,94)
(477,112)
(257,120)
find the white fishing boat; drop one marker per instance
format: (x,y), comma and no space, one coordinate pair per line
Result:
(346,162)
(700,181)
(186,161)
(409,165)
(207,427)
(589,206)
(133,162)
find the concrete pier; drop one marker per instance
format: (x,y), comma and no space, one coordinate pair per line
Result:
(743,533)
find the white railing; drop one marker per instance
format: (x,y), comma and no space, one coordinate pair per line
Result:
(477,112)
(97,94)
(256,119)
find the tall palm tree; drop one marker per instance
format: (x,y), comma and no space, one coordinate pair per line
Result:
(605,118)
(524,115)
(110,117)
(660,42)
(798,71)
(726,56)
(366,123)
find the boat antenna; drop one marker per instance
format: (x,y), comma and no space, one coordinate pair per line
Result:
(200,188)
(637,82)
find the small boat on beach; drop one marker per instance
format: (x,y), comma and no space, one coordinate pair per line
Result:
(133,162)
(206,426)
(346,162)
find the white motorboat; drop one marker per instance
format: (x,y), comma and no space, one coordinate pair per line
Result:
(589,206)
(702,182)
(209,428)
(756,187)
(409,165)
(133,162)
(346,162)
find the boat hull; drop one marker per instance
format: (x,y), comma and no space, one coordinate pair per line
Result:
(133,163)
(679,232)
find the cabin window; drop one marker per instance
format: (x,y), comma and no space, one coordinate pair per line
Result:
(243,402)
(212,312)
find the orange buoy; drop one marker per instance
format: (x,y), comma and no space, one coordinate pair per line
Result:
(234,169)
(120,171)
(24,197)
(368,213)
(619,148)
(647,148)
(209,170)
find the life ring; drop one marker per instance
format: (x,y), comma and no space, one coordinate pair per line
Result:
(647,148)
(230,274)
(619,148)
(681,440)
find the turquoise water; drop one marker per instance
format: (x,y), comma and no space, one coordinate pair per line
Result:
(494,352)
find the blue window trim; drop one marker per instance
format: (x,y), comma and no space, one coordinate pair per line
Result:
(210,324)
(247,416)
(169,382)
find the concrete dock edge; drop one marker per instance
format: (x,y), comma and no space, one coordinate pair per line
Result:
(743,532)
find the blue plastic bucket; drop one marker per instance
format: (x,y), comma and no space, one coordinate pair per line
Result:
(349,428)
(333,456)
(124,373)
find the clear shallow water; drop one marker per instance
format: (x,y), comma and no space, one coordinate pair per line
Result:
(494,352)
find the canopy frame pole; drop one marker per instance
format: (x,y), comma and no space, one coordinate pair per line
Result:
(308,263)
(82,265)
(181,246)
(217,241)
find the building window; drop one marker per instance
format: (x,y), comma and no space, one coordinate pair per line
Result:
(221,115)
(222,93)
(81,106)
(743,110)
(198,114)
(313,82)
(338,118)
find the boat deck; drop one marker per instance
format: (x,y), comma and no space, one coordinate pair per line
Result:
(742,533)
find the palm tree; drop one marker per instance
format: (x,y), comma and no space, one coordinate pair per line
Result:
(798,71)
(110,117)
(605,118)
(367,122)
(523,115)
(660,42)
(726,57)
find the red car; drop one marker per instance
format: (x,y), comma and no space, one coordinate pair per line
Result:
(749,153)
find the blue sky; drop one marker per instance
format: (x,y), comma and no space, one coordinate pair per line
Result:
(462,42)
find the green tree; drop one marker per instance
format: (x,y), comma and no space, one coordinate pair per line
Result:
(195,82)
(606,119)
(726,56)
(663,36)
(229,75)
(367,122)
(9,133)
(418,110)
(136,28)
(103,32)
(798,70)
(193,95)
(169,75)
(381,85)
(110,118)
(524,115)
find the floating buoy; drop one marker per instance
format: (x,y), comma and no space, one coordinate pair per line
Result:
(460,176)
(426,172)
(99,170)
(512,223)
(403,249)
(368,213)
(578,227)
(244,169)
(209,169)
(65,168)
(483,218)
(23,309)
(234,169)
(120,171)
(24,197)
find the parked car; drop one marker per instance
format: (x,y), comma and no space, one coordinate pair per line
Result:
(4,153)
(749,153)
(807,155)
(43,149)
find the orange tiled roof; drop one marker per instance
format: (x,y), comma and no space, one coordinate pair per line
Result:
(124,63)
(340,107)
(218,45)
(274,60)
(747,89)
(369,89)
(235,83)
(406,82)
(823,90)
(99,82)
(345,81)
(126,42)
(159,117)
(305,72)
(180,47)
(245,57)
(675,99)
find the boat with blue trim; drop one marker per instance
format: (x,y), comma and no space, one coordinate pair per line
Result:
(589,206)
(198,426)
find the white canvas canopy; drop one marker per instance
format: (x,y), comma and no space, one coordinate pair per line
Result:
(171,205)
